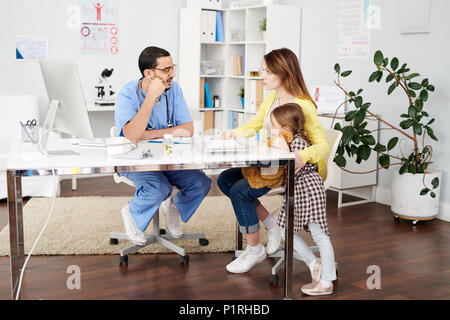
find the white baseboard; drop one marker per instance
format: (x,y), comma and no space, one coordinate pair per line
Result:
(383,196)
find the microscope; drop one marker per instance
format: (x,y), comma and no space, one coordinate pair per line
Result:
(104,91)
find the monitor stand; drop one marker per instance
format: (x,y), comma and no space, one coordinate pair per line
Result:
(48,126)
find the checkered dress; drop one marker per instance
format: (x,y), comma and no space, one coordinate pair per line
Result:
(309,195)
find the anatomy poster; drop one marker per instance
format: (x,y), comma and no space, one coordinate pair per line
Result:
(353,30)
(99,27)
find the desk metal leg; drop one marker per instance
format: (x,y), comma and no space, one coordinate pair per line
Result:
(289,236)
(15,212)
(238,238)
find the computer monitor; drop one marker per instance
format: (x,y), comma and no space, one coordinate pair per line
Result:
(67,111)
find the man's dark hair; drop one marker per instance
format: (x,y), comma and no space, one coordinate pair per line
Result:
(148,57)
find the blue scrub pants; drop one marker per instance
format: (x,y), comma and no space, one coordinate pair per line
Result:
(152,188)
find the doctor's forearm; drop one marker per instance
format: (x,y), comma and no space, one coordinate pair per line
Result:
(135,129)
(183,130)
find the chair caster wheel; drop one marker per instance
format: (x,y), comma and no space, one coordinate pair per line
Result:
(396,219)
(274,279)
(203,241)
(123,260)
(162,231)
(113,241)
(184,259)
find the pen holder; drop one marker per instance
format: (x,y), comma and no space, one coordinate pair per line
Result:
(30,133)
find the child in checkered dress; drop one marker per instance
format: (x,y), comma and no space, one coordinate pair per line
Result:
(309,204)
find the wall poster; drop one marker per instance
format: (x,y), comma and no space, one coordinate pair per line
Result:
(99,27)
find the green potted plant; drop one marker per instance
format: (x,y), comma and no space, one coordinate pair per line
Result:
(415,183)
(241,94)
(262,27)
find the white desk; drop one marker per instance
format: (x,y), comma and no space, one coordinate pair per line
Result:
(95,161)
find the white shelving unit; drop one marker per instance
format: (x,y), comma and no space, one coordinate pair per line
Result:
(283,30)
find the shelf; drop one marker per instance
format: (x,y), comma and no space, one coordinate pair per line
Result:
(91,107)
(222,109)
(235,43)
(211,76)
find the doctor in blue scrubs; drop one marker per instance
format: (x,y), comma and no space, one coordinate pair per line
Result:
(147,109)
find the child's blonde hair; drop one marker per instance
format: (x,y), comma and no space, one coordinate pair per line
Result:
(290,116)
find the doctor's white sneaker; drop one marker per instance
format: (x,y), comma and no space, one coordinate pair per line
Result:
(172,216)
(246,261)
(134,234)
(274,239)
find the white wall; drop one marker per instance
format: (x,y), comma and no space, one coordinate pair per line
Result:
(427,54)
(141,23)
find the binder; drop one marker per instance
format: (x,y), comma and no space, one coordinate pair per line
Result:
(237,65)
(202,93)
(259,93)
(204,26)
(208,121)
(211,26)
(208,100)
(220,37)
(252,96)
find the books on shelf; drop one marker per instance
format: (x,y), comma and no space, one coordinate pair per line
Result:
(255,95)
(237,65)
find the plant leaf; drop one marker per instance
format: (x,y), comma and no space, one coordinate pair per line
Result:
(392,143)
(435,182)
(412,111)
(347,134)
(358,101)
(432,194)
(369,140)
(405,124)
(424,191)
(384,160)
(417,128)
(431,133)
(346,73)
(350,115)
(379,148)
(337,68)
(364,152)
(373,76)
(392,87)
(403,168)
(359,117)
(378,57)
(415,85)
(394,63)
(424,95)
(340,160)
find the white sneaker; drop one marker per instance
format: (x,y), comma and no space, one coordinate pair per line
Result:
(245,261)
(274,239)
(134,234)
(172,216)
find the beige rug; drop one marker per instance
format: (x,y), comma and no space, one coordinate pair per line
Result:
(81,225)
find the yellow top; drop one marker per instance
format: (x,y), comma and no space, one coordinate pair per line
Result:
(319,149)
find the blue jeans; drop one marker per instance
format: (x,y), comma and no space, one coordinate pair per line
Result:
(152,188)
(243,198)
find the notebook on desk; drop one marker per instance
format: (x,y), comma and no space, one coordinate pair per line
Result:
(220,145)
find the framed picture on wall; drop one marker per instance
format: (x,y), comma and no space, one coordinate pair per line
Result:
(31,48)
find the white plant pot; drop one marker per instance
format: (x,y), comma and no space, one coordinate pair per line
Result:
(406,200)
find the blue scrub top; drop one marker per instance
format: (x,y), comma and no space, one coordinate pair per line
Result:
(129,101)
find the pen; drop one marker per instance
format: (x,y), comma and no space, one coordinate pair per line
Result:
(31,139)
(176,142)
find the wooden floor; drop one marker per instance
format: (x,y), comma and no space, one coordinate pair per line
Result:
(414,262)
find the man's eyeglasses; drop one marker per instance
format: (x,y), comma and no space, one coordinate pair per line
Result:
(168,69)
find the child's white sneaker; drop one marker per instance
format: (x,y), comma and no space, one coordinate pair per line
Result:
(274,239)
(245,261)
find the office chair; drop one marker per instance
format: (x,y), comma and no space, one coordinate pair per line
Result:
(333,138)
(158,235)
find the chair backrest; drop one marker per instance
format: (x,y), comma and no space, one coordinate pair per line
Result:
(333,138)
(117,178)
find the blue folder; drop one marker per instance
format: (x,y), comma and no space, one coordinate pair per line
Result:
(208,100)
(219,27)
